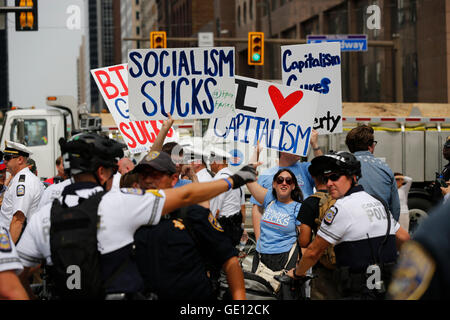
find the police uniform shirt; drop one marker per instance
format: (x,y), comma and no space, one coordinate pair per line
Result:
(53,192)
(350,222)
(9,260)
(228,203)
(116,180)
(23,194)
(121,212)
(173,263)
(204,176)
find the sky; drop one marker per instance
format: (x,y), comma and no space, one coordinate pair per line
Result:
(43,62)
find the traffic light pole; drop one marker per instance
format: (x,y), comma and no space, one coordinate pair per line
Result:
(15,9)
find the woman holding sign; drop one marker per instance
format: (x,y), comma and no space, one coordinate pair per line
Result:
(277,247)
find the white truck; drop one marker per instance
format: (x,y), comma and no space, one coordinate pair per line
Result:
(41,128)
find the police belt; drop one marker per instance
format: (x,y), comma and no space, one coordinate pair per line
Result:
(235,219)
(349,281)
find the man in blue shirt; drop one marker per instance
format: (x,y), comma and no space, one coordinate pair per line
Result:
(377,178)
(300,169)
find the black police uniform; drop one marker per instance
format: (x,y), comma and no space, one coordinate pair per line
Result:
(424,263)
(174,256)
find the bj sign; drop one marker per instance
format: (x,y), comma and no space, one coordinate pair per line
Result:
(188,83)
(138,135)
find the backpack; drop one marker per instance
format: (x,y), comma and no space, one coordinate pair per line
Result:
(76,271)
(328,259)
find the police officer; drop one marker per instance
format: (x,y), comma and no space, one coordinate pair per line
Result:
(10,286)
(93,162)
(175,256)
(361,229)
(227,206)
(423,268)
(24,191)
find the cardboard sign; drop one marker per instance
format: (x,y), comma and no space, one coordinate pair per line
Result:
(138,135)
(317,67)
(188,83)
(279,117)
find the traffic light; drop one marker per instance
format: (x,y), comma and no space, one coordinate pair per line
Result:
(256,48)
(158,39)
(27,20)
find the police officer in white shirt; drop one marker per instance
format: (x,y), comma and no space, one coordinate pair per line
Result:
(10,266)
(363,232)
(22,197)
(228,204)
(93,162)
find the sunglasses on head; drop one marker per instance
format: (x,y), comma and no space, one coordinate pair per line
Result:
(8,157)
(332,177)
(281,179)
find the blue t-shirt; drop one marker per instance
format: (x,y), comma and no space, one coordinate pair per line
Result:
(300,169)
(182,182)
(278,225)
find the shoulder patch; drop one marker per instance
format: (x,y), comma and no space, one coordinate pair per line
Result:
(214,223)
(20,190)
(414,272)
(135,191)
(330,215)
(178,223)
(5,242)
(154,192)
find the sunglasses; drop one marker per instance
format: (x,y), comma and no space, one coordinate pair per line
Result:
(281,179)
(332,177)
(8,157)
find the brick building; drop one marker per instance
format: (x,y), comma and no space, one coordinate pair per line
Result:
(422,27)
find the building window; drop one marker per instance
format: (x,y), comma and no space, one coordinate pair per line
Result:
(274,4)
(245,13)
(282,2)
(378,77)
(138,30)
(239,16)
(250,10)
(400,12)
(137,15)
(137,2)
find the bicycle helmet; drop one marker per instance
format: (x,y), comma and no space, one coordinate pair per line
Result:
(85,152)
(341,161)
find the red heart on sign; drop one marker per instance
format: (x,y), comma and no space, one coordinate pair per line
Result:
(282,104)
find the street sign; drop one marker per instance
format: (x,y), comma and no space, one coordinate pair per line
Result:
(349,42)
(206,39)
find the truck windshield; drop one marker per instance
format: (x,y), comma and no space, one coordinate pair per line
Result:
(35,132)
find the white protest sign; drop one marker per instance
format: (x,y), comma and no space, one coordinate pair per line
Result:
(138,135)
(317,67)
(279,117)
(188,83)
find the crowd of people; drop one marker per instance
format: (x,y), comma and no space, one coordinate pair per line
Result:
(169,227)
